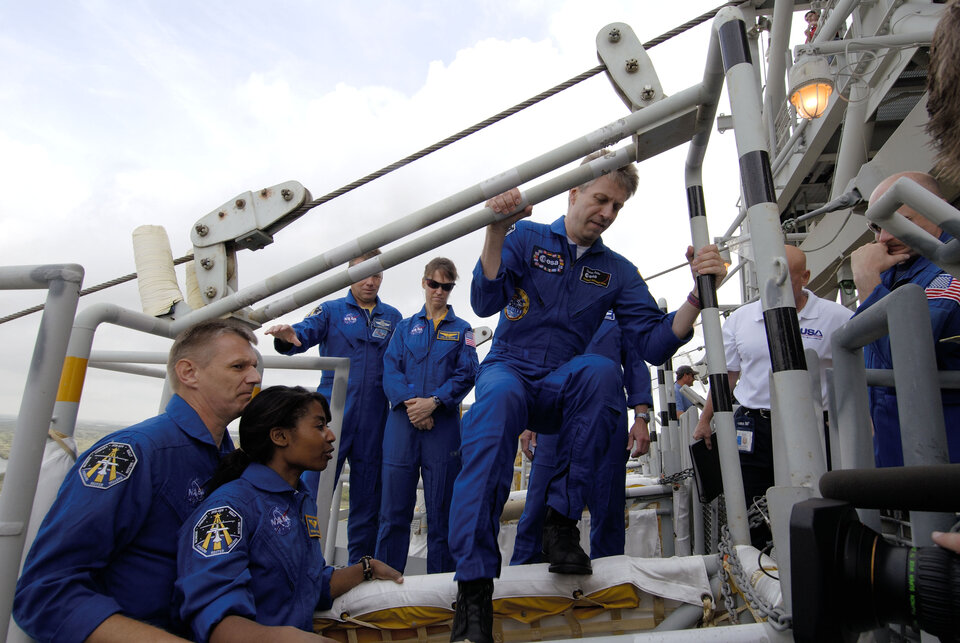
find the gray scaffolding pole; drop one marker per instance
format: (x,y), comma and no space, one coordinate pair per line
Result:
(62,282)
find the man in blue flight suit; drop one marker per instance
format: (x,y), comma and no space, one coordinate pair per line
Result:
(104,562)
(554,284)
(879,268)
(429,367)
(358,326)
(608,495)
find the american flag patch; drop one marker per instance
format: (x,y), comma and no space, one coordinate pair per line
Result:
(944,287)
(469,340)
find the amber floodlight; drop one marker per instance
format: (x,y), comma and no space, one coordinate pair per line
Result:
(810,86)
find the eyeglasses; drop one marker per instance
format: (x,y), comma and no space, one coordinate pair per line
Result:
(436,284)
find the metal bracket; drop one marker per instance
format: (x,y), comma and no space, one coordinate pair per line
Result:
(628,66)
(247,221)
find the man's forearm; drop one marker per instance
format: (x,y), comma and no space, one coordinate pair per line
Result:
(490,256)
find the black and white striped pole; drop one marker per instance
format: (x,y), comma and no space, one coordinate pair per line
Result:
(790,385)
(726,437)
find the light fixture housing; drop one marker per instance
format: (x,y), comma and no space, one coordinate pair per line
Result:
(810,86)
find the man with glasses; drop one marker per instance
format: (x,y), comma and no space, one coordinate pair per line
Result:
(428,369)
(879,268)
(358,326)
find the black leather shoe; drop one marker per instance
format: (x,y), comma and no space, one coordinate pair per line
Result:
(473,618)
(561,545)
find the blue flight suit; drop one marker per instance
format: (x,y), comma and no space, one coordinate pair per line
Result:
(342,328)
(608,496)
(536,376)
(108,544)
(423,362)
(252,549)
(943,297)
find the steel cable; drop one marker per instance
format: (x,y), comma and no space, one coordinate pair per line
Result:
(306,207)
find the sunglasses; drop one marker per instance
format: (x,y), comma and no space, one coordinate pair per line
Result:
(874,228)
(447,287)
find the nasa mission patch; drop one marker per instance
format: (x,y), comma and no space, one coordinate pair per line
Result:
(108,465)
(518,305)
(217,532)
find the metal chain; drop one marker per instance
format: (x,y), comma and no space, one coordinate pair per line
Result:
(776,616)
(677,478)
(556,89)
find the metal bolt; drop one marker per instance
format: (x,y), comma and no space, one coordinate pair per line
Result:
(632,65)
(207,263)
(239,203)
(286,194)
(647,92)
(221,214)
(202,230)
(264,192)
(210,292)
(614,35)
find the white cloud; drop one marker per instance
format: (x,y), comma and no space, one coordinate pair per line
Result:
(167,120)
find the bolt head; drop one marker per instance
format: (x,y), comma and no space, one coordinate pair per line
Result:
(207,263)
(286,194)
(240,203)
(202,230)
(264,192)
(632,66)
(614,35)
(221,214)
(210,292)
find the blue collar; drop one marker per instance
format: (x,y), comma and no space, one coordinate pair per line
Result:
(559,227)
(188,420)
(377,310)
(266,479)
(449,317)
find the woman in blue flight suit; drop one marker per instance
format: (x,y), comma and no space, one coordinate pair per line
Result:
(429,367)
(249,558)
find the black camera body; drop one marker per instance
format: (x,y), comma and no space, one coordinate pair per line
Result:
(847,579)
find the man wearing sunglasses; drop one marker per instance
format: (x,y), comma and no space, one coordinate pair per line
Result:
(552,285)
(429,367)
(879,268)
(358,326)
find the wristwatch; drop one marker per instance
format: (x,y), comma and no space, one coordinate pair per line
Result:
(648,416)
(367,567)
(436,400)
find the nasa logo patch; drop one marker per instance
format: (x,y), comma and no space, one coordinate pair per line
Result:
(108,465)
(195,493)
(610,316)
(280,521)
(596,277)
(217,532)
(518,305)
(547,261)
(416,330)
(350,318)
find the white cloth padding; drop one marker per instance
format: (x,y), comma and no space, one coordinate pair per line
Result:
(643,534)
(681,579)
(56,464)
(763,585)
(156,278)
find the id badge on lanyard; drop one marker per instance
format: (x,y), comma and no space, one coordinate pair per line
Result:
(745,428)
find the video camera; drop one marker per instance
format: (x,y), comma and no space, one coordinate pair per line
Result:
(847,579)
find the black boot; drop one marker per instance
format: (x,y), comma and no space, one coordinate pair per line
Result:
(473,619)
(561,545)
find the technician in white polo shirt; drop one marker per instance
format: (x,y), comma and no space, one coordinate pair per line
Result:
(748,367)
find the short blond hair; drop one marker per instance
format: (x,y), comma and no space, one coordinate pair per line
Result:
(195,344)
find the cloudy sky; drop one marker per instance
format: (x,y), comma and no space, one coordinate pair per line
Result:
(158,113)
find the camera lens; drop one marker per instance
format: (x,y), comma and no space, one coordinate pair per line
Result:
(848,579)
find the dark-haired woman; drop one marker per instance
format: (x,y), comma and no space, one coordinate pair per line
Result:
(249,561)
